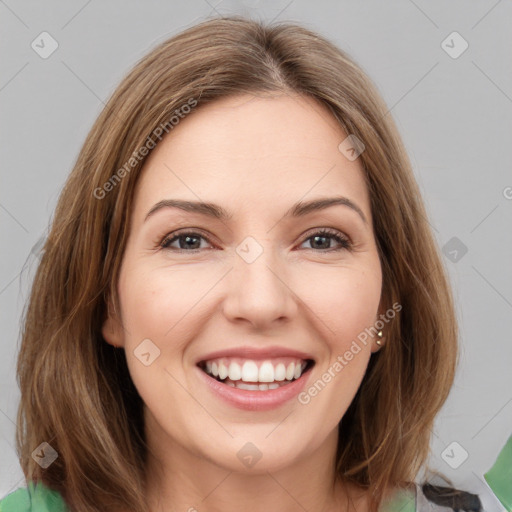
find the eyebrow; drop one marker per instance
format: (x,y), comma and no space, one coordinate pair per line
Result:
(299,209)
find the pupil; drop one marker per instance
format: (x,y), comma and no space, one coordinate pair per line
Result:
(188,239)
(315,238)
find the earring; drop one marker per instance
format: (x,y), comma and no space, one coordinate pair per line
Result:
(379,341)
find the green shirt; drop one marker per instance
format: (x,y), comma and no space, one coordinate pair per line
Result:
(35,498)
(38,498)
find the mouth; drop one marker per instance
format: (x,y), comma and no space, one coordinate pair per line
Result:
(256,375)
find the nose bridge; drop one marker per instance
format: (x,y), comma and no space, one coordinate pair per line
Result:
(258,291)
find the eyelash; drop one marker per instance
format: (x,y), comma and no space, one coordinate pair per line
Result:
(324,232)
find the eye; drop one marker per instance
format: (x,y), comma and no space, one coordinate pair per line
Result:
(321,240)
(187,241)
(190,241)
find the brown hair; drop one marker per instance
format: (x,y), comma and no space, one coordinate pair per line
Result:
(76,391)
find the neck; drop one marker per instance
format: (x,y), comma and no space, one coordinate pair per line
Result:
(181,480)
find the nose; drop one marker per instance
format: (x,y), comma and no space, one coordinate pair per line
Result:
(258,293)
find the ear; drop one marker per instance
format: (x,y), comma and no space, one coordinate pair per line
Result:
(112,329)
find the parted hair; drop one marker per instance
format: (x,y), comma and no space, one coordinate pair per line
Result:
(76,390)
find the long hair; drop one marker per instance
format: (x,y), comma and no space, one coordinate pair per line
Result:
(76,391)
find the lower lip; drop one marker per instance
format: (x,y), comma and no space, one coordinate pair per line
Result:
(255,400)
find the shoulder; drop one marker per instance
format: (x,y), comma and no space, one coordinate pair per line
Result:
(431,498)
(34,498)
(449,499)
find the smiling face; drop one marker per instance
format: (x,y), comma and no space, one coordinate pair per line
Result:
(257,288)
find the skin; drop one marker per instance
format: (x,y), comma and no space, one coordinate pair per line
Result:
(255,156)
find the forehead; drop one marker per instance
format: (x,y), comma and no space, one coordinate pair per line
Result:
(253,152)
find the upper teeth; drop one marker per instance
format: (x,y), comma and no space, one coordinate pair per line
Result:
(255,371)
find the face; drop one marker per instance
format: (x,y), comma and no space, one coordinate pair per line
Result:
(262,290)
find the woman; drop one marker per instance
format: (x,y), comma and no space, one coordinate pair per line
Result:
(240,302)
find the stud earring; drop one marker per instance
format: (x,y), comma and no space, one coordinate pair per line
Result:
(379,341)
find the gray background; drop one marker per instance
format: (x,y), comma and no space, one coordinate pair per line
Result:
(454,114)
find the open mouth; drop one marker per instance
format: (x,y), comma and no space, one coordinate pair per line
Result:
(256,375)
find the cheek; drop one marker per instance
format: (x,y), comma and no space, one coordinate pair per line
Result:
(355,308)
(346,300)
(158,308)
(156,303)
(348,310)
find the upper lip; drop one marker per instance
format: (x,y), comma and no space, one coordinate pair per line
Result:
(256,353)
